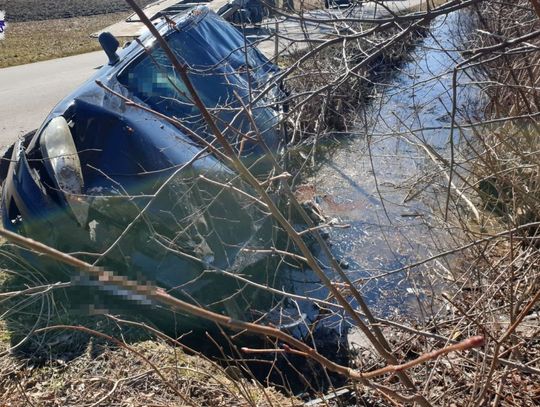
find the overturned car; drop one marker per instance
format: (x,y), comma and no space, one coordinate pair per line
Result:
(121,172)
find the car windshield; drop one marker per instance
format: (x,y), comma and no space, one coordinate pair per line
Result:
(219,71)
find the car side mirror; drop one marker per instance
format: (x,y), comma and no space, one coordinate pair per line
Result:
(110,44)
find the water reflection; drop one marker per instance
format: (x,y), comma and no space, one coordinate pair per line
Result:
(384,183)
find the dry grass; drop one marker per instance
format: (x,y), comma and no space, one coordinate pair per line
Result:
(105,376)
(507,166)
(34,41)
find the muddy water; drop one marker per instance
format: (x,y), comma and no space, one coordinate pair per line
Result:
(384,187)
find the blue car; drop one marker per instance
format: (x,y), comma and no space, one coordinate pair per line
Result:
(133,186)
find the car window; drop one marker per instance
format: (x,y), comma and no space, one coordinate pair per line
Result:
(213,51)
(153,80)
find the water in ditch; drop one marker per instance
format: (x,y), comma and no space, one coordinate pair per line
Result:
(381,185)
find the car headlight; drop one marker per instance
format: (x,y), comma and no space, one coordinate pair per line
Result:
(63,165)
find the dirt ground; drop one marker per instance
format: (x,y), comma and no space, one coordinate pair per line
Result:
(35,10)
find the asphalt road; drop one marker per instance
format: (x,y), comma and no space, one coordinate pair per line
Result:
(29,92)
